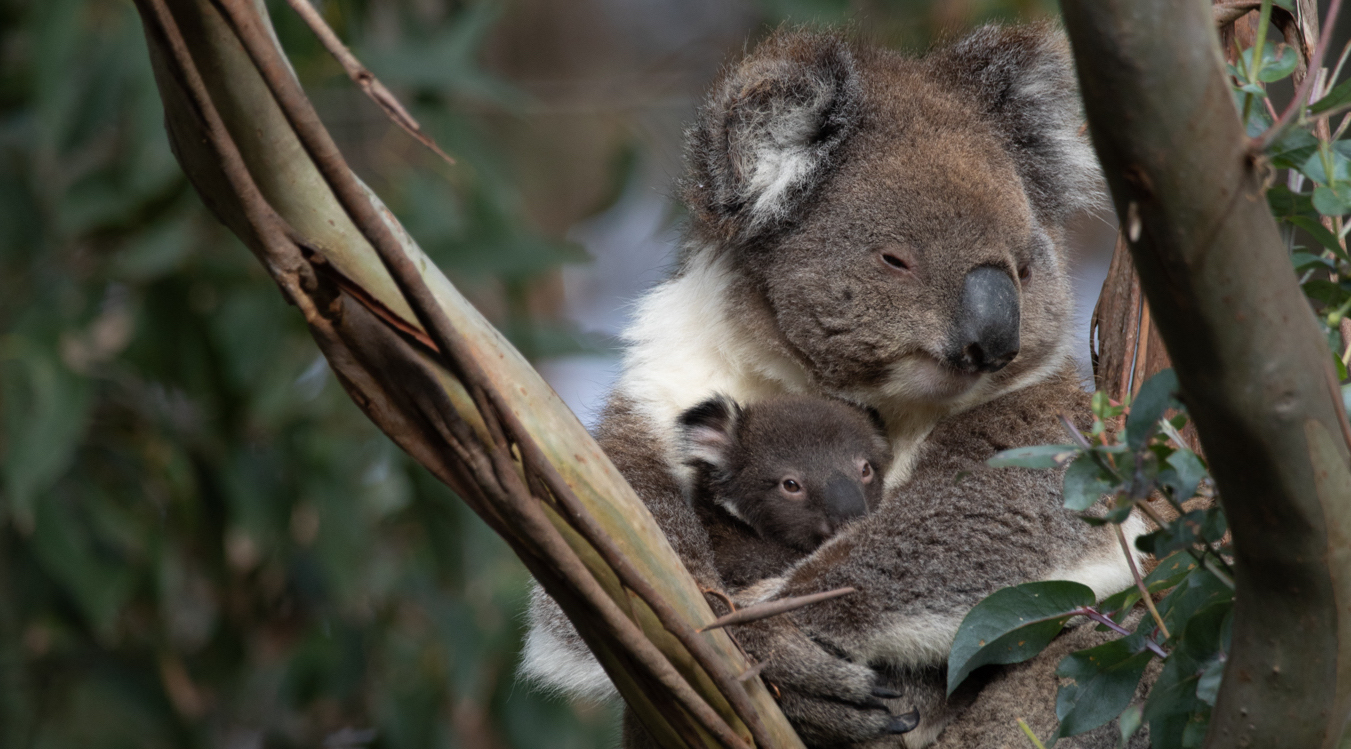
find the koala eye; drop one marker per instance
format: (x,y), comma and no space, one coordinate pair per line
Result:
(1024,272)
(895,261)
(791,486)
(866,471)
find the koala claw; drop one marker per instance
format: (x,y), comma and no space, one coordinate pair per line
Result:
(904,723)
(885,693)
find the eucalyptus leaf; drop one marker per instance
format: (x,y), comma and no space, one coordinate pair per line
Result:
(1339,96)
(1102,682)
(1156,396)
(1014,624)
(1085,483)
(1333,201)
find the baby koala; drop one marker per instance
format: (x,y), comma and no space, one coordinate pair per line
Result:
(776,478)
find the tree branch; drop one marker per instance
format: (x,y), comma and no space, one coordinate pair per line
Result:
(1254,371)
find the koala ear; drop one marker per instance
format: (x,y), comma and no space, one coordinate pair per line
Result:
(708,431)
(1024,85)
(770,131)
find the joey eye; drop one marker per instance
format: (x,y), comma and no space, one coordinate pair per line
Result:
(866,472)
(1024,272)
(791,486)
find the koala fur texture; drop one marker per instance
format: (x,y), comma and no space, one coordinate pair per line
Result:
(889,231)
(775,479)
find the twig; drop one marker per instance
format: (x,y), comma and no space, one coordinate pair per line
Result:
(1296,106)
(1228,12)
(1140,582)
(363,77)
(774,608)
(1107,622)
(1031,736)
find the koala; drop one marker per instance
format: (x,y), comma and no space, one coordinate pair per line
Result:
(887,230)
(776,478)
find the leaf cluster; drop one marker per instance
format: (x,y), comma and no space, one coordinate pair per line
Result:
(1110,475)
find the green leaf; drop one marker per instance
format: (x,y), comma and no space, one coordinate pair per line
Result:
(1129,723)
(1275,68)
(1014,624)
(1325,291)
(1189,470)
(1208,686)
(1333,201)
(1338,96)
(1155,397)
(1303,260)
(1286,203)
(1315,169)
(1103,681)
(1198,590)
(1036,456)
(1085,483)
(1320,234)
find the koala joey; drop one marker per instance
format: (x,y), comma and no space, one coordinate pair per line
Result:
(776,478)
(890,231)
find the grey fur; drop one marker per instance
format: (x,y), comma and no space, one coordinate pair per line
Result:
(833,454)
(850,283)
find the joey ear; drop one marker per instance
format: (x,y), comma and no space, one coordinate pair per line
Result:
(1024,84)
(769,132)
(708,431)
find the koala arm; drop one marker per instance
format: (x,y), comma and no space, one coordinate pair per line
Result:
(933,550)
(956,532)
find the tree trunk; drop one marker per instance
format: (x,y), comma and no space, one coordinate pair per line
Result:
(1254,371)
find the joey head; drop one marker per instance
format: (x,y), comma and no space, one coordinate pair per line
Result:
(776,478)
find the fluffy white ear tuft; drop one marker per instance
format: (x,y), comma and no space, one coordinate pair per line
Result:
(708,431)
(1023,81)
(770,131)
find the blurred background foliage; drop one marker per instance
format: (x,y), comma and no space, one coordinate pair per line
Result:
(202,542)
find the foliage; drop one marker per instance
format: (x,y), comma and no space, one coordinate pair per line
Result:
(202,541)
(1189,628)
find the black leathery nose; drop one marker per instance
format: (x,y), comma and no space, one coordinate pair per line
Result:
(844,499)
(986,335)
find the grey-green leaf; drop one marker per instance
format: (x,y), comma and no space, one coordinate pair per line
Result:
(1014,624)
(1104,679)
(1085,483)
(1155,397)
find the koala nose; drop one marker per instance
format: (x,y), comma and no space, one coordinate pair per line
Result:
(844,499)
(986,335)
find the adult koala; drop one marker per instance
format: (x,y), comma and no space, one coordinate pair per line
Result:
(889,231)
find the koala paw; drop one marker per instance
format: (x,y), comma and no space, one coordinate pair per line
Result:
(830,700)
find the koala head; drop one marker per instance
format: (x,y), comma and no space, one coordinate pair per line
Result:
(895,223)
(794,468)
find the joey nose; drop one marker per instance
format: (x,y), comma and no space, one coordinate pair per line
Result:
(986,333)
(843,499)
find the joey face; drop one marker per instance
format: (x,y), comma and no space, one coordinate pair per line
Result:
(793,468)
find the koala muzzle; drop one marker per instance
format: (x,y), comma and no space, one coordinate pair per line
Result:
(986,332)
(843,499)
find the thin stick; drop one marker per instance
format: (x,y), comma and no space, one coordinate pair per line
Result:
(1140,582)
(1296,106)
(1031,736)
(774,608)
(1107,622)
(363,77)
